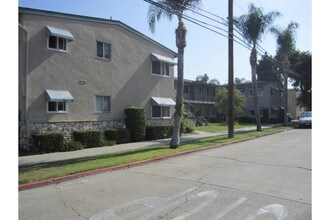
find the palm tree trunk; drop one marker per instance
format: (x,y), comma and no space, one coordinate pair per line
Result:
(180,43)
(253,63)
(285,65)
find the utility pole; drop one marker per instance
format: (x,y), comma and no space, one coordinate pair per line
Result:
(230,70)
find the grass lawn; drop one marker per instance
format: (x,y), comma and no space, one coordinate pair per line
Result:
(39,172)
(216,127)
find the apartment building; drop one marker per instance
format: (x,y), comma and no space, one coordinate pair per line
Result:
(199,99)
(270,98)
(79,72)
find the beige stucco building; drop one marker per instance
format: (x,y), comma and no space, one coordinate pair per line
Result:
(293,108)
(78,72)
(270,100)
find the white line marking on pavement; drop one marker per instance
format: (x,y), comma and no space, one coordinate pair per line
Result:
(229,209)
(276,209)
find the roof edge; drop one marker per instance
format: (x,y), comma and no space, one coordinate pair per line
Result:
(26,10)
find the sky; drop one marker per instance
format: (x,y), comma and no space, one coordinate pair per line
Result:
(206,51)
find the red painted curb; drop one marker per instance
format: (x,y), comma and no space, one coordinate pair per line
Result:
(60,179)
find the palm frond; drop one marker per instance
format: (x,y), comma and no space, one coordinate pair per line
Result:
(285,39)
(254,24)
(168,8)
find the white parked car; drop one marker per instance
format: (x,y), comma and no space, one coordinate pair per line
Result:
(305,120)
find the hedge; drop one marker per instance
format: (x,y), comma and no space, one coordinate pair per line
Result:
(88,138)
(135,121)
(158,132)
(48,142)
(121,136)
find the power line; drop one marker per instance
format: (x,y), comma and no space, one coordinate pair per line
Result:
(199,23)
(260,50)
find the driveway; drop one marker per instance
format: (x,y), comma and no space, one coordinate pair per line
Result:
(264,178)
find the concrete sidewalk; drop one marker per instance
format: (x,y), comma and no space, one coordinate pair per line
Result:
(60,156)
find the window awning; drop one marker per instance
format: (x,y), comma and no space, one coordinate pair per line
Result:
(51,31)
(58,96)
(157,57)
(159,101)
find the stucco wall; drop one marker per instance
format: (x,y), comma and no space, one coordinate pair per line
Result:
(126,78)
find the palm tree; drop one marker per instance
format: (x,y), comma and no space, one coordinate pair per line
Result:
(285,45)
(168,8)
(252,27)
(239,80)
(206,79)
(203,78)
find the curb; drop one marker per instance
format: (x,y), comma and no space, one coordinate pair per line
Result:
(57,180)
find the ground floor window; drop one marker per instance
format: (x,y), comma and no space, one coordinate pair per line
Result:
(54,107)
(103,103)
(252,112)
(161,111)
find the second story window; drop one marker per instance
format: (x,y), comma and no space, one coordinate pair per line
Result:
(160,68)
(185,89)
(260,91)
(57,39)
(57,43)
(160,65)
(103,50)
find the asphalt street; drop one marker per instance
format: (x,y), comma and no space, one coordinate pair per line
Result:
(263,178)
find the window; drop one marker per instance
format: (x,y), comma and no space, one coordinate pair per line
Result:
(252,112)
(212,93)
(185,89)
(103,50)
(160,68)
(103,103)
(259,92)
(161,111)
(54,107)
(57,43)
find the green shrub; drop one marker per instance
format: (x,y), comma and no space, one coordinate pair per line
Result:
(111,134)
(72,146)
(121,135)
(135,121)
(187,125)
(48,142)
(88,138)
(105,143)
(158,132)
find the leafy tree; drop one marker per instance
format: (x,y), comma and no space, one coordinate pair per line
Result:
(285,44)
(252,26)
(301,64)
(168,8)
(214,82)
(267,70)
(221,101)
